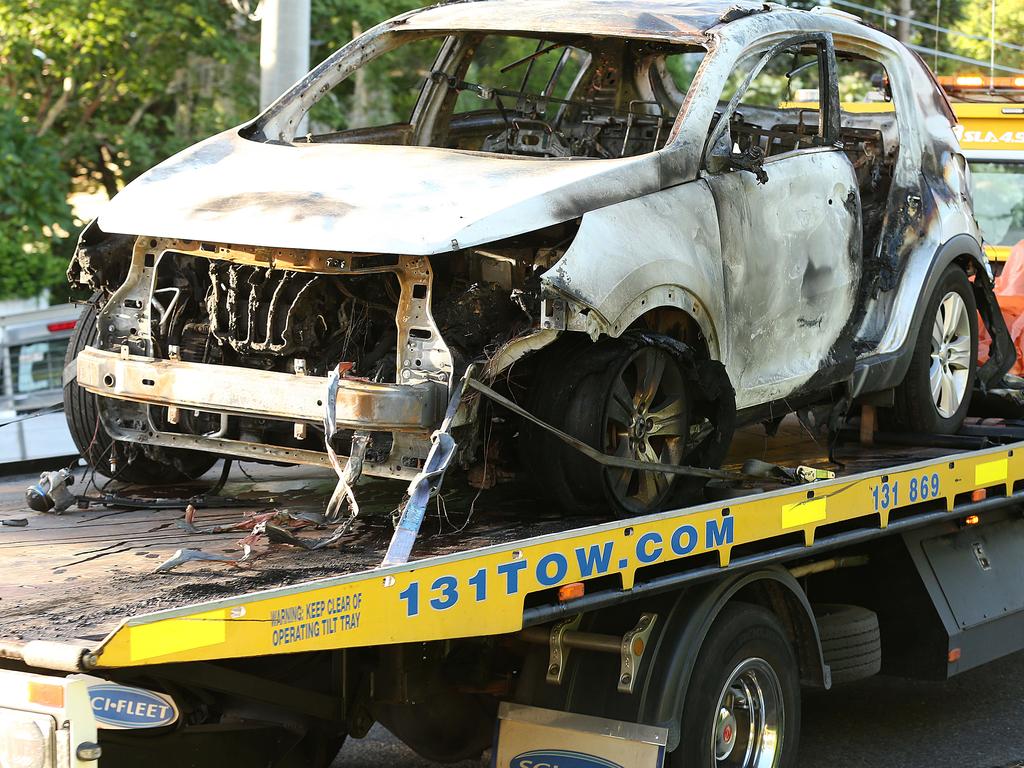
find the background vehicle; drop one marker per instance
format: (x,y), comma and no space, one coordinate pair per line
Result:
(32,348)
(990,113)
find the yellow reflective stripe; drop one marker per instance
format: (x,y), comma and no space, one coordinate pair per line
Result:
(991,472)
(162,638)
(803,512)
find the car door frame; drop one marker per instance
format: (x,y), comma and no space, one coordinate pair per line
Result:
(830,115)
(839,360)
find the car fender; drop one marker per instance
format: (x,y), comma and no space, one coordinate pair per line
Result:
(661,249)
(887,369)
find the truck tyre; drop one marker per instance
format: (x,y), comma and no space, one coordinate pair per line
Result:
(850,641)
(158,466)
(742,705)
(936,392)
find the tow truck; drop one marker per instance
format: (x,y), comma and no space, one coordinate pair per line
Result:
(990,110)
(677,638)
(619,642)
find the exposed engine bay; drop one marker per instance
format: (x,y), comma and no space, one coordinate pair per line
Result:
(257,323)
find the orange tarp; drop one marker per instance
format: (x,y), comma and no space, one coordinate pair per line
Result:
(1009,292)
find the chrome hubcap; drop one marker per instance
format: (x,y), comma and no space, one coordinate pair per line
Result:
(750,718)
(951,354)
(646,419)
(725,734)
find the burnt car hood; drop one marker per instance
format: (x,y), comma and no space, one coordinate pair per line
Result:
(363,197)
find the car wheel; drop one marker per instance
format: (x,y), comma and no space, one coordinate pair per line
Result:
(81,409)
(936,392)
(742,705)
(627,398)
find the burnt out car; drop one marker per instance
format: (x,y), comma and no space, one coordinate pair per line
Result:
(637,222)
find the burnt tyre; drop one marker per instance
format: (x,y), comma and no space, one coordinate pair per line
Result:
(742,706)
(644,397)
(936,392)
(627,399)
(157,466)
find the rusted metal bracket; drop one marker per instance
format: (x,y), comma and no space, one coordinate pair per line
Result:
(558,651)
(634,643)
(564,635)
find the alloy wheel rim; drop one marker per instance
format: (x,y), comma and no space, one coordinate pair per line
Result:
(950,364)
(646,419)
(749,718)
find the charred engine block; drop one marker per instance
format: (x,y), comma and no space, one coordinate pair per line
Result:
(258,311)
(274,319)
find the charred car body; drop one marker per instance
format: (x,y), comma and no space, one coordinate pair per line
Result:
(640,221)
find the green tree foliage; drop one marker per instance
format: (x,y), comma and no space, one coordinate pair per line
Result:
(34,214)
(97,91)
(977,20)
(383,92)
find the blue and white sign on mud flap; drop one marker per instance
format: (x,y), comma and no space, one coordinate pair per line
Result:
(121,706)
(529,737)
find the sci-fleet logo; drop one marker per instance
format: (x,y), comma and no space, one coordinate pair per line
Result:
(559,758)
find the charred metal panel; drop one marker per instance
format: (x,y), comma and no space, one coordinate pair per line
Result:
(632,18)
(790,248)
(665,243)
(362,197)
(290,397)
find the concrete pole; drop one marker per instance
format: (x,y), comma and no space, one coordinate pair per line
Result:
(905,10)
(284,47)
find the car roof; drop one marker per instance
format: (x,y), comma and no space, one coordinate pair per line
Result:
(672,20)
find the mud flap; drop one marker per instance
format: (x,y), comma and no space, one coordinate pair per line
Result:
(528,737)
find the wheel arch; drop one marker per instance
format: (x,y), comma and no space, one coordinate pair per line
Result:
(688,621)
(664,307)
(684,618)
(886,371)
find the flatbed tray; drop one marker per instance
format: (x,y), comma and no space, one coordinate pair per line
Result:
(77,576)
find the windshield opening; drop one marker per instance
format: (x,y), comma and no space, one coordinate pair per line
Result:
(999,201)
(534,96)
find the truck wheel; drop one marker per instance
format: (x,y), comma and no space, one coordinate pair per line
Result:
(936,391)
(743,703)
(627,397)
(850,641)
(81,409)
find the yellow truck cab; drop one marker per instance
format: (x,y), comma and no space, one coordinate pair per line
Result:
(990,111)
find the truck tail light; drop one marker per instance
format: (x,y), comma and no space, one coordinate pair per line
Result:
(570,591)
(26,740)
(66,325)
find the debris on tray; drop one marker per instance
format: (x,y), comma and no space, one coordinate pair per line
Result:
(51,493)
(197,555)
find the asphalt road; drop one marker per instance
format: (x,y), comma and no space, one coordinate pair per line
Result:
(973,721)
